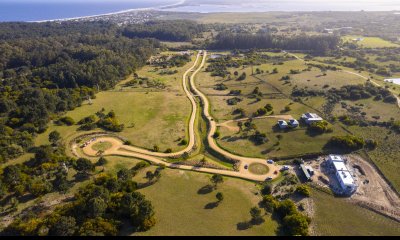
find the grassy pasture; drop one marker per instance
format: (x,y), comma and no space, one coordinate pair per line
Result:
(337,217)
(370,42)
(181,210)
(387,153)
(291,142)
(151,116)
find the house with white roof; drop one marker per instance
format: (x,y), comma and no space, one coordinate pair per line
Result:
(293,123)
(343,175)
(311,118)
(283,124)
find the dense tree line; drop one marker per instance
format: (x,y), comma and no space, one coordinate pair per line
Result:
(349,92)
(49,68)
(320,44)
(98,209)
(177,30)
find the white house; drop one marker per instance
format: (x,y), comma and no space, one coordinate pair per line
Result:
(311,118)
(293,123)
(343,175)
(283,124)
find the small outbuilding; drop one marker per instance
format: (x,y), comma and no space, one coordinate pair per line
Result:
(306,171)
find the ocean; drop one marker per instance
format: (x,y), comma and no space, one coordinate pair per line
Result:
(36,10)
(209,6)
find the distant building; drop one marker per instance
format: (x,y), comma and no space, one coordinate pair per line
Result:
(343,175)
(293,123)
(283,124)
(311,118)
(308,171)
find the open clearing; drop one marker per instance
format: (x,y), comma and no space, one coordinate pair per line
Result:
(181,210)
(151,116)
(370,42)
(337,216)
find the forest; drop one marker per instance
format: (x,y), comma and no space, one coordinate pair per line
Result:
(47,69)
(177,31)
(318,44)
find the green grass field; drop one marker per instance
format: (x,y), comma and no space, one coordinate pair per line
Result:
(102,146)
(181,210)
(337,217)
(387,153)
(370,42)
(150,118)
(292,142)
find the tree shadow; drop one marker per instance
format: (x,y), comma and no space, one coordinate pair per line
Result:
(26,198)
(80,177)
(244,225)
(257,221)
(211,205)
(206,189)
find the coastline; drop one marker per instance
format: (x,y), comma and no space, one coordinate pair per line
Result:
(181,2)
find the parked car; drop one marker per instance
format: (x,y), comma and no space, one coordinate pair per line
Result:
(246,166)
(285,168)
(270,161)
(268,179)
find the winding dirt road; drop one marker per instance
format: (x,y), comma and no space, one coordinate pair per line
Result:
(118,147)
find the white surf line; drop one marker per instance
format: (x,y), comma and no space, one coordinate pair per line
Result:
(111,13)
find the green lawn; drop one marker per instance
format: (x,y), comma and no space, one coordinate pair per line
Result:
(258,168)
(180,209)
(102,146)
(370,42)
(337,217)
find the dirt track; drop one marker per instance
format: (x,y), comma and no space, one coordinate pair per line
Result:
(373,190)
(118,148)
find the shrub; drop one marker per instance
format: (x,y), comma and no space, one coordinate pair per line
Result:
(320,127)
(67,121)
(303,190)
(349,142)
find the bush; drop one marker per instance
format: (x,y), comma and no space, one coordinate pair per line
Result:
(67,121)
(349,142)
(216,134)
(233,101)
(296,224)
(320,127)
(266,189)
(101,162)
(303,190)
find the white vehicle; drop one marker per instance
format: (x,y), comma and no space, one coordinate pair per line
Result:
(270,161)
(268,179)
(285,168)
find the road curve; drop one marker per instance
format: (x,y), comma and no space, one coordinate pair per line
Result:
(118,147)
(192,137)
(213,145)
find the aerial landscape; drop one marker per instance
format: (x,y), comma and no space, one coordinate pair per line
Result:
(199,118)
